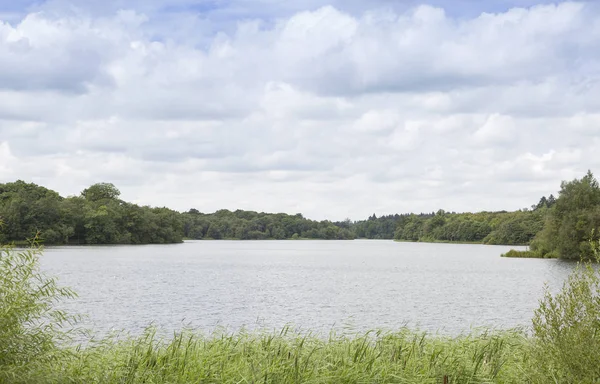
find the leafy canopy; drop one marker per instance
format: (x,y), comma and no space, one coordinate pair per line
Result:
(101,191)
(574,216)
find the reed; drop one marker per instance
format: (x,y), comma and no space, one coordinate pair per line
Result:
(292,357)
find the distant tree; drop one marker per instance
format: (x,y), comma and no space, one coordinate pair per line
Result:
(101,191)
(95,217)
(28,209)
(543,203)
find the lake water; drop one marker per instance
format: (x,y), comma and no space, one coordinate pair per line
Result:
(316,285)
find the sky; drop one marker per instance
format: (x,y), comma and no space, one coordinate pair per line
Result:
(333,109)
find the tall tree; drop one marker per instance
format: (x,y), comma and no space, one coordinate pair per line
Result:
(573,218)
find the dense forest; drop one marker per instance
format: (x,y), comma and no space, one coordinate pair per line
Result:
(249,225)
(555,227)
(508,228)
(97,216)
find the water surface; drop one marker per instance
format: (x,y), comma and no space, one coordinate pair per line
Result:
(317,285)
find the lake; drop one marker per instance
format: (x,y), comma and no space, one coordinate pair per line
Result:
(316,285)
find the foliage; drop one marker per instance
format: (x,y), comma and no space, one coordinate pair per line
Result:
(98,216)
(507,228)
(293,357)
(576,214)
(30,325)
(375,227)
(567,329)
(101,191)
(248,225)
(95,217)
(521,254)
(545,203)
(26,209)
(553,227)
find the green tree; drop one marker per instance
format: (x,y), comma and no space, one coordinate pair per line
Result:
(543,203)
(575,214)
(101,191)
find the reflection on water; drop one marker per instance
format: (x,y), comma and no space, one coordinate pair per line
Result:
(315,285)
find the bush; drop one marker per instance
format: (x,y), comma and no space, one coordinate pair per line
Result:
(522,254)
(567,330)
(30,325)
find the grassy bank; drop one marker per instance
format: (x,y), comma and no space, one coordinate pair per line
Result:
(529,254)
(289,357)
(561,346)
(269,239)
(522,254)
(432,241)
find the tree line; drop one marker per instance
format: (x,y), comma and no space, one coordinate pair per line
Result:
(554,227)
(250,225)
(96,216)
(506,228)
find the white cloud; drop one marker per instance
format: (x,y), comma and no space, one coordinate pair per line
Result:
(497,130)
(378,121)
(323,112)
(7,161)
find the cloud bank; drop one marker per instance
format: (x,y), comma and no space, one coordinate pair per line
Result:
(330,111)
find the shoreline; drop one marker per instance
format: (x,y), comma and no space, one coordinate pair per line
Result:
(459,242)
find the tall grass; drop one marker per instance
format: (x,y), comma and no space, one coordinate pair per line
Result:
(291,357)
(562,346)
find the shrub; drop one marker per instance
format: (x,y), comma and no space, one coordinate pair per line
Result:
(521,254)
(567,330)
(31,328)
